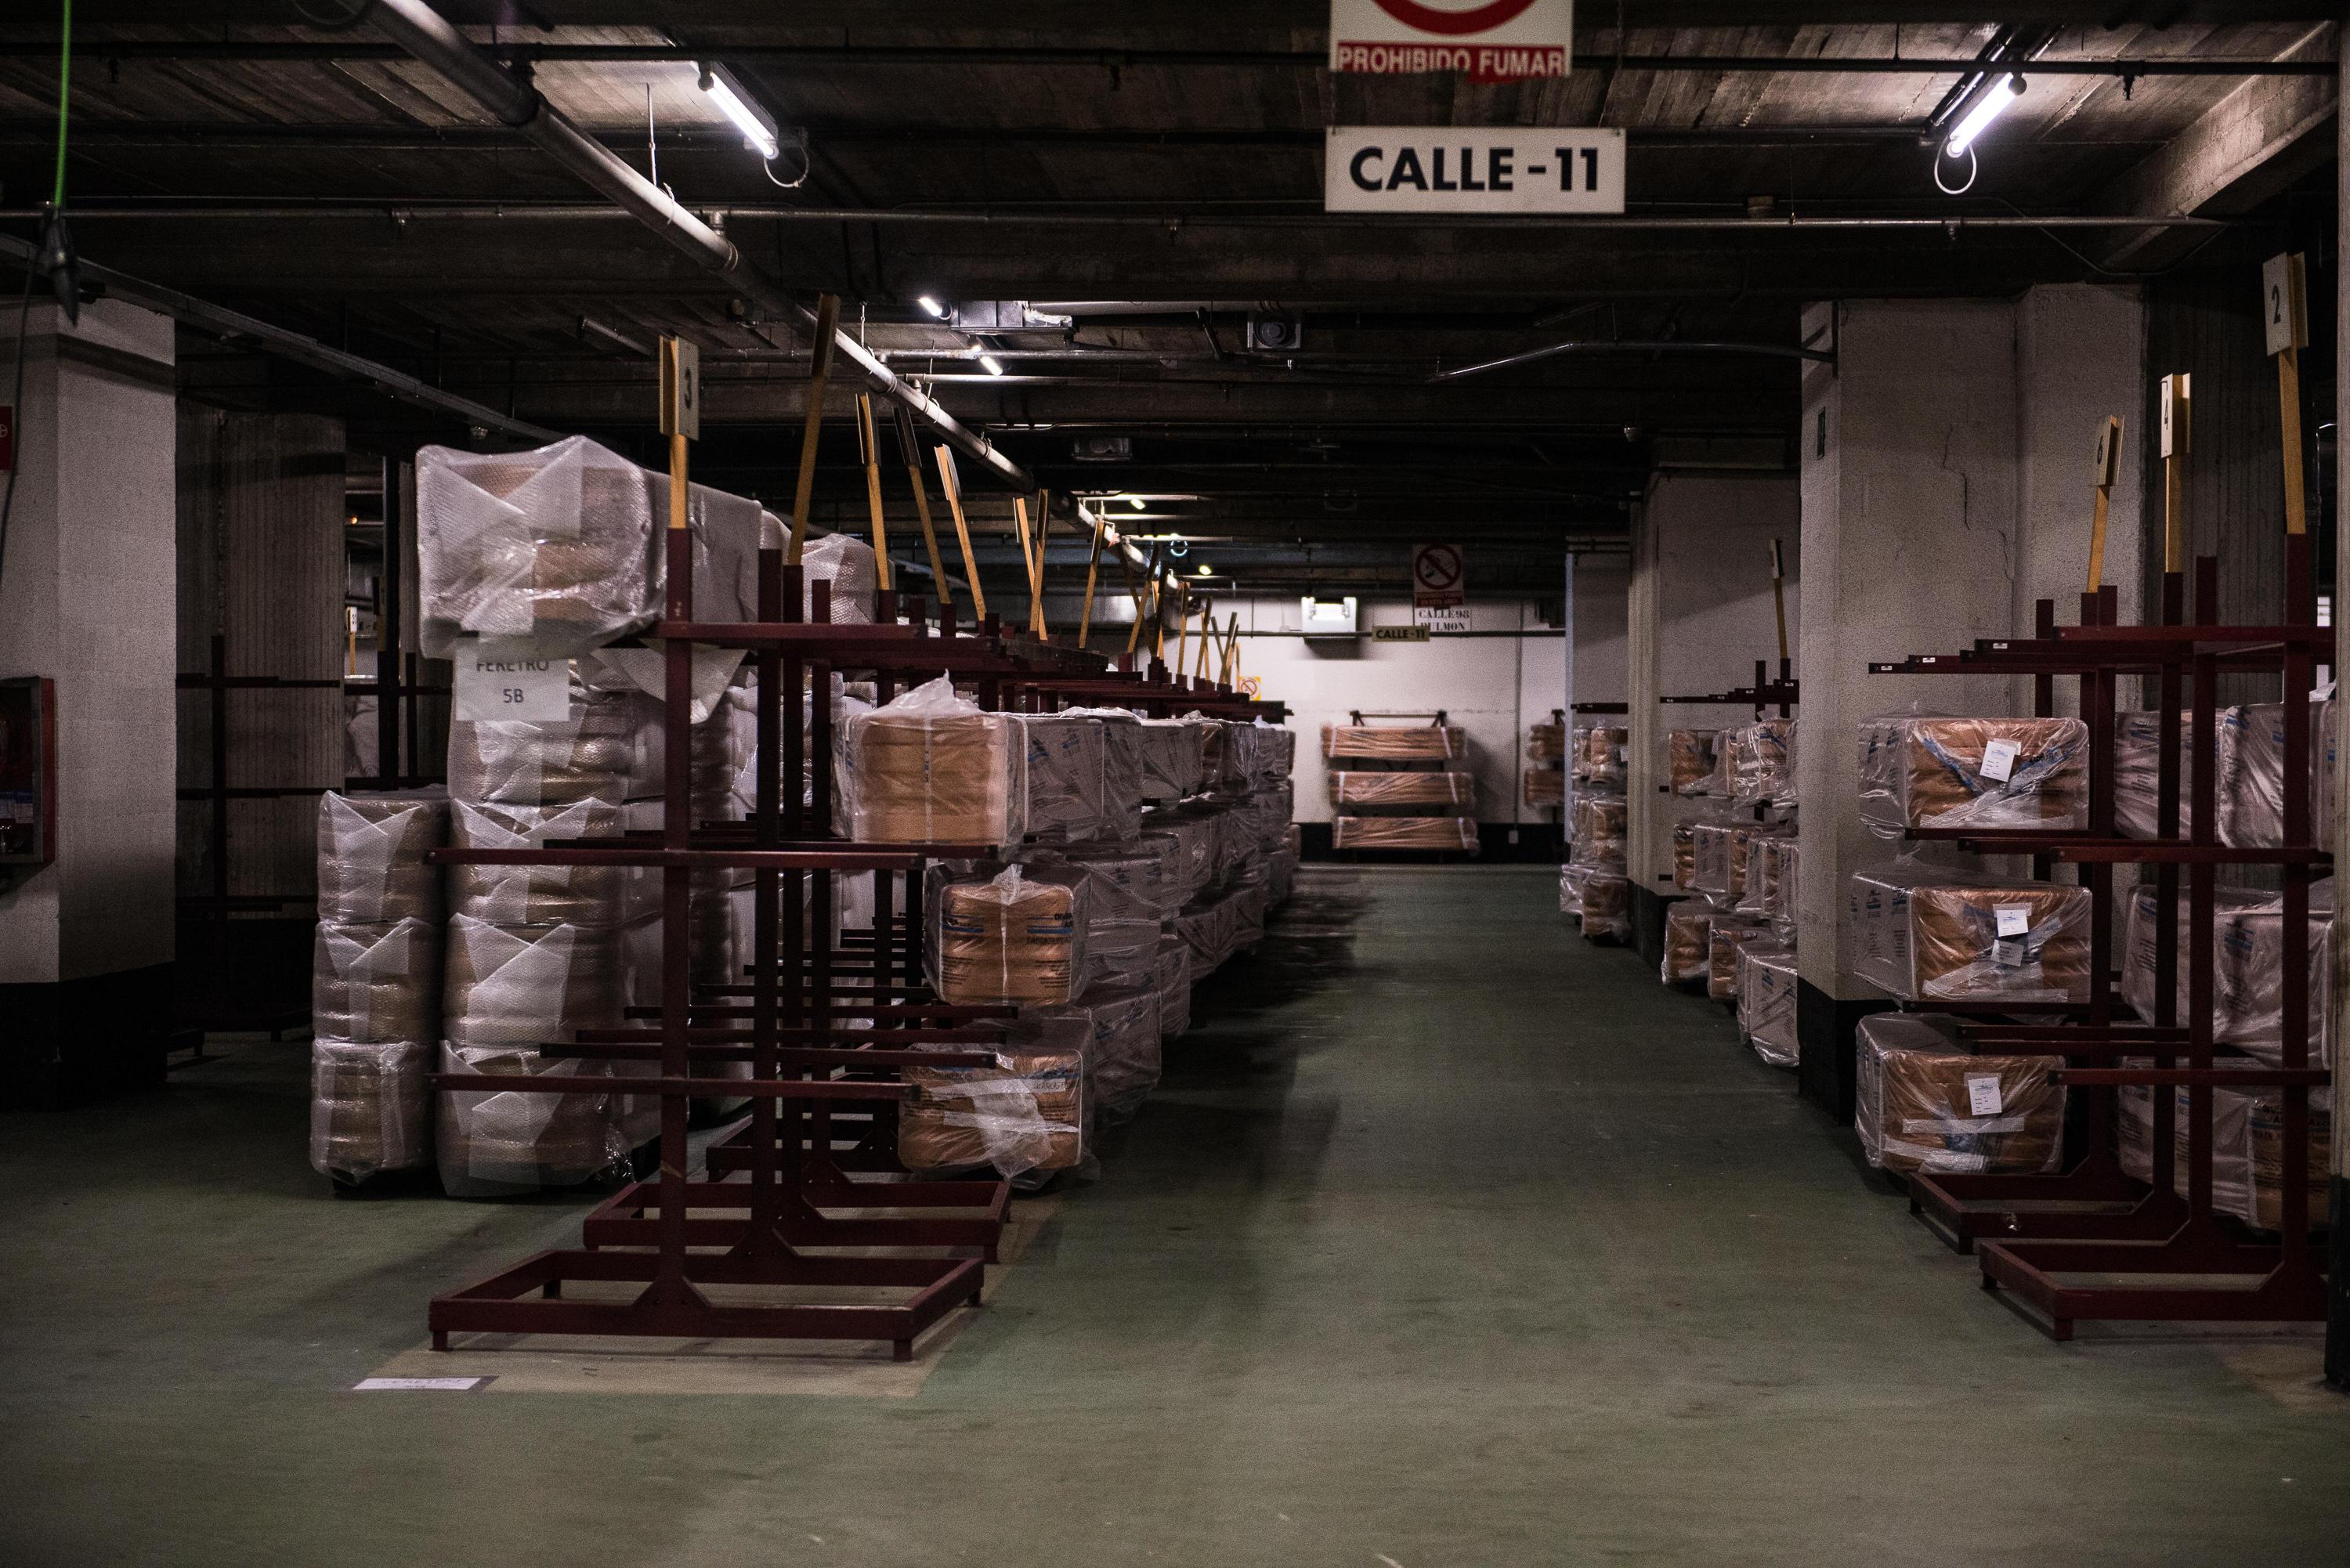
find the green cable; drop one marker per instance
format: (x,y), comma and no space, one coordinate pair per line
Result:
(65,73)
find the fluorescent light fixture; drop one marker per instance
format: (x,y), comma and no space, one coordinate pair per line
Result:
(758,131)
(1206,570)
(1990,105)
(930,304)
(991,363)
(1136,501)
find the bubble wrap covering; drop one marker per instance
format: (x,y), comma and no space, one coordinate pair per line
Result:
(529,984)
(1027,1113)
(371,851)
(596,754)
(370,1107)
(537,895)
(843,560)
(932,768)
(1973,773)
(1017,936)
(1067,776)
(1122,1052)
(505,1142)
(1766,1002)
(560,548)
(376,983)
(1916,1108)
(2247,1149)
(2247,968)
(1928,934)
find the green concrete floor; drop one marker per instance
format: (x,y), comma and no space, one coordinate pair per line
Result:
(1449,1239)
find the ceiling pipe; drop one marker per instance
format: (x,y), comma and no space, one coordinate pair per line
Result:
(429,37)
(1553,351)
(301,349)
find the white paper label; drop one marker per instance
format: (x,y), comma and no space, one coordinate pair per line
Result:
(2009,952)
(1983,1094)
(2014,920)
(1999,761)
(413,1385)
(493,686)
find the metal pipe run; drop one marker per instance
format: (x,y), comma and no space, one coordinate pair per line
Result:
(1553,351)
(431,39)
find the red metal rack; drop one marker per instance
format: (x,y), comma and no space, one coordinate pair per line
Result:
(2092,1243)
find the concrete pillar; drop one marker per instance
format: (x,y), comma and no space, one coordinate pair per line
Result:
(1700,613)
(86,597)
(1910,511)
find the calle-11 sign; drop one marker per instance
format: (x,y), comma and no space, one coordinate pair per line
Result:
(1471,169)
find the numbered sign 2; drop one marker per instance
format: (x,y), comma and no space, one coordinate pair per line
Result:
(2284,304)
(2108,460)
(2178,408)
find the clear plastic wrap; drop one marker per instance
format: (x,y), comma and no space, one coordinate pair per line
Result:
(1756,866)
(1352,791)
(1170,976)
(1276,805)
(1546,743)
(505,1142)
(932,768)
(371,851)
(1596,832)
(1928,934)
(1545,787)
(1689,943)
(1446,834)
(2138,778)
(561,550)
(530,985)
(1122,769)
(376,983)
(1193,834)
(2247,1149)
(2140,929)
(1766,1002)
(1017,936)
(2251,776)
(1685,857)
(1600,900)
(1984,774)
(1206,931)
(2247,968)
(1692,763)
(1394,742)
(1727,937)
(1759,762)
(1128,893)
(1597,756)
(594,755)
(1171,762)
(1281,878)
(537,895)
(1278,752)
(1027,1113)
(1122,1054)
(370,1107)
(847,563)
(1067,771)
(1720,853)
(1927,1103)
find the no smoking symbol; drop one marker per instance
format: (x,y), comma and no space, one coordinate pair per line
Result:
(1438,567)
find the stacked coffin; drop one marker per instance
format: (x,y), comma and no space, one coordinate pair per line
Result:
(1400,787)
(1546,764)
(1592,884)
(1735,932)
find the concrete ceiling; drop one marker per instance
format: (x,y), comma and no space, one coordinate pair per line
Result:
(1158,182)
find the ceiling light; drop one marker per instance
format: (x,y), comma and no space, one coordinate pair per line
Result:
(1206,570)
(1136,501)
(758,131)
(930,304)
(1178,546)
(1990,105)
(991,363)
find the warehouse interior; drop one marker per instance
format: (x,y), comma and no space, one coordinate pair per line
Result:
(884,759)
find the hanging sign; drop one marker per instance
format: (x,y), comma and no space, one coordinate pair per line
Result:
(1473,169)
(680,389)
(1485,40)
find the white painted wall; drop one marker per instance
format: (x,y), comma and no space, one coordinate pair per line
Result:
(87,597)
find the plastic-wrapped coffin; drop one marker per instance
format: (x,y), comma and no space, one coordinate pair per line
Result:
(932,768)
(1973,773)
(371,852)
(1928,934)
(1017,935)
(1926,1103)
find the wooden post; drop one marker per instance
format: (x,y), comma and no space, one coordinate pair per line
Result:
(911,450)
(2108,465)
(1183,622)
(947,482)
(2177,434)
(1028,560)
(1044,532)
(1150,588)
(1093,575)
(1231,650)
(869,447)
(1778,593)
(828,322)
(2284,287)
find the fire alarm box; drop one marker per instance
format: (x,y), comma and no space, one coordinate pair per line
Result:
(29,774)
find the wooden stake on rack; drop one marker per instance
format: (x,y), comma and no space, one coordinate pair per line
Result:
(1182,623)
(2108,467)
(827,324)
(910,450)
(1779,593)
(2285,286)
(948,482)
(869,447)
(1149,587)
(1028,560)
(1044,531)
(2177,433)
(1232,651)
(1207,636)
(1093,575)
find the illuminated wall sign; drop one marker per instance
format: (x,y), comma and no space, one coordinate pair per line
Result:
(1484,40)
(1469,169)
